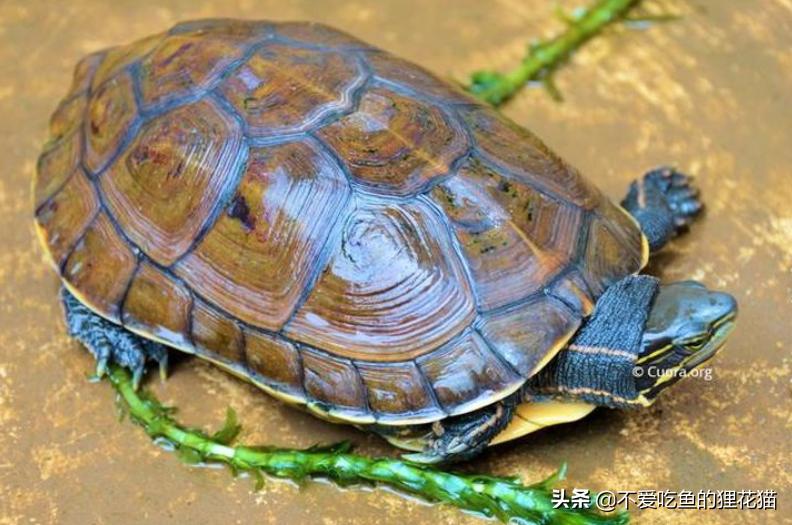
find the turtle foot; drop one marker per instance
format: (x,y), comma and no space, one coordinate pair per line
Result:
(463,437)
(111,343)
(664,202)
(681,196)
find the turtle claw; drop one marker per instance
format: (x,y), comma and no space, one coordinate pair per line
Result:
(684,203)
(441,450)
(679,193)
(450,450)
(102,354)
(101,368)
(137,375)
(111,343)
(425,458)
(677,179)
(163,367)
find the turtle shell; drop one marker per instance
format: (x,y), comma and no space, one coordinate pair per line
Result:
(335,224)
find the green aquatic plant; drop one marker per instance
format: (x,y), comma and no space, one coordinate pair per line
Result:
(544,57)
(506,499)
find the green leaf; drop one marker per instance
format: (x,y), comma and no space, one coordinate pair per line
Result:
(550,86)
(553,480)
(230,429)
(259,479)
(189,456)
(342,447)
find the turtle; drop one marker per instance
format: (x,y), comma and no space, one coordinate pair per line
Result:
(357,237)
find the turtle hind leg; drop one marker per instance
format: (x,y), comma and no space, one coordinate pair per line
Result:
(111,343)
(463,437)
(664,202)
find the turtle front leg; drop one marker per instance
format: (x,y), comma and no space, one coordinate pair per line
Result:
(463,437)
(109,342)
(598,364)
(664,202)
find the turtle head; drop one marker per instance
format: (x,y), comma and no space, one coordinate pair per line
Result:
(687,325)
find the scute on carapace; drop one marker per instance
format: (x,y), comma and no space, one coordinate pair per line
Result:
(336,224)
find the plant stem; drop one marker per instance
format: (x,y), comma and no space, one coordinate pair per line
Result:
(544,57)
(504,498)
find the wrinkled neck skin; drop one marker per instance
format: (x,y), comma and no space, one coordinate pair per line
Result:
(597,365)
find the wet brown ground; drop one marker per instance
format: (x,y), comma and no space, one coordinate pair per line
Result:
(711,93)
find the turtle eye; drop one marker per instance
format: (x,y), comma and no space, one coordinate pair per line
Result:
(696,342)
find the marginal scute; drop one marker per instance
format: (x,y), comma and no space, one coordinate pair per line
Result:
(111,112)
(84,72)
(623,226)
(226,27)
(421,81)
(56,165)
(282,90)
(571,288)
(100,267)
(274,361)
(522,153)
(316,34)
(396,391)
(158,305)
(256,260)
(168,182)
(67,117)
(64,218)
(607,259)
(334,381)
(466,375)
(185,63)
(395,144)
(216,334)
(115,59)
(526,334)
(393,290)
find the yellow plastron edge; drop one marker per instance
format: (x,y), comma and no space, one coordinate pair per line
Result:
(530,417)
